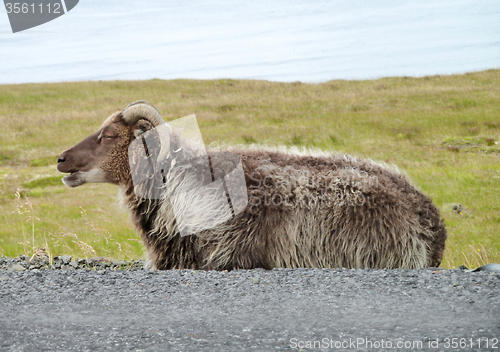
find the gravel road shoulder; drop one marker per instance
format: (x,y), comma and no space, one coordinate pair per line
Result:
(247,310)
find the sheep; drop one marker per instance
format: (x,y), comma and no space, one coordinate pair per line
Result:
(304,208)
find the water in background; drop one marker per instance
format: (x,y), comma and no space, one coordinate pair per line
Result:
(279,40)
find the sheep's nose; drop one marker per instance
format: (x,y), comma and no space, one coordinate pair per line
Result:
(61,159)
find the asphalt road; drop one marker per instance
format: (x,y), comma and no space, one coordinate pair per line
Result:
(250,310)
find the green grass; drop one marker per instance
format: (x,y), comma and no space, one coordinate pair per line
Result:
(442,130)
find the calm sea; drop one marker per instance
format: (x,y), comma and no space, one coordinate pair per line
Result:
(279,40)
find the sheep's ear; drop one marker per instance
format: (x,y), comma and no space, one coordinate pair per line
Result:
(141,126)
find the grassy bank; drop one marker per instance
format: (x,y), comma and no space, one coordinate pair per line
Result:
(442,130)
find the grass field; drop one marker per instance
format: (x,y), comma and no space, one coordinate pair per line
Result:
(442,130)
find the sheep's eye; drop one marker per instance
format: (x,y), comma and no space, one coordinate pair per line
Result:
(108,136)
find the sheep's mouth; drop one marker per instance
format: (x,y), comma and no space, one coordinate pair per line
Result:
(78,177)
(73,179)
(71,174)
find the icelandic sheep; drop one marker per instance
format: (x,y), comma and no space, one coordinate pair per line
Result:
(304,209)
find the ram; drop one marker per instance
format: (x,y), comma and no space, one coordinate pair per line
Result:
(305,209)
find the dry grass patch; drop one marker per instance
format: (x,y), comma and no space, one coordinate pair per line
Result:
(442,130)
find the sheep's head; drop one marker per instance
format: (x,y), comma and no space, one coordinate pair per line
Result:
(103,156)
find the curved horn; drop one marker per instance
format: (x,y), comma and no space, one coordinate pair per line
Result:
(142,109)
(139,102)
